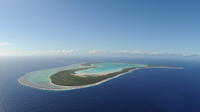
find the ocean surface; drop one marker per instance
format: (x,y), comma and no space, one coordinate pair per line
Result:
(147,90)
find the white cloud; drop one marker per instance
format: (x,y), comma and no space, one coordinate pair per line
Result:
(92,52)
(130,52)
(5,44)
(66,51)
(63,52)
(148,53)
(96,51)
(138,53)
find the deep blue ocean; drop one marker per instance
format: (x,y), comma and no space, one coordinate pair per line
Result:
(147,90)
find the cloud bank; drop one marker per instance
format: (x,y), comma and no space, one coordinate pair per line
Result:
(130,53)
(93,52)
(62,52)
(5,44)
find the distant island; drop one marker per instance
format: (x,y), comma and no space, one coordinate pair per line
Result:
(80,75)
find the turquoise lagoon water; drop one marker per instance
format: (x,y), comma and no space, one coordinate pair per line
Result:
(40,79)
(108,67)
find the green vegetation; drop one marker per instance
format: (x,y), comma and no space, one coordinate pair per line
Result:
(67,77)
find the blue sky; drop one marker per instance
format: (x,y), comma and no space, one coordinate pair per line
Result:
(91,26)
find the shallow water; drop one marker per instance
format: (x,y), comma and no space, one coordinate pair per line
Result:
(107,68)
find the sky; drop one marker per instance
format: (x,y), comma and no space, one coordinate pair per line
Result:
(83,27)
